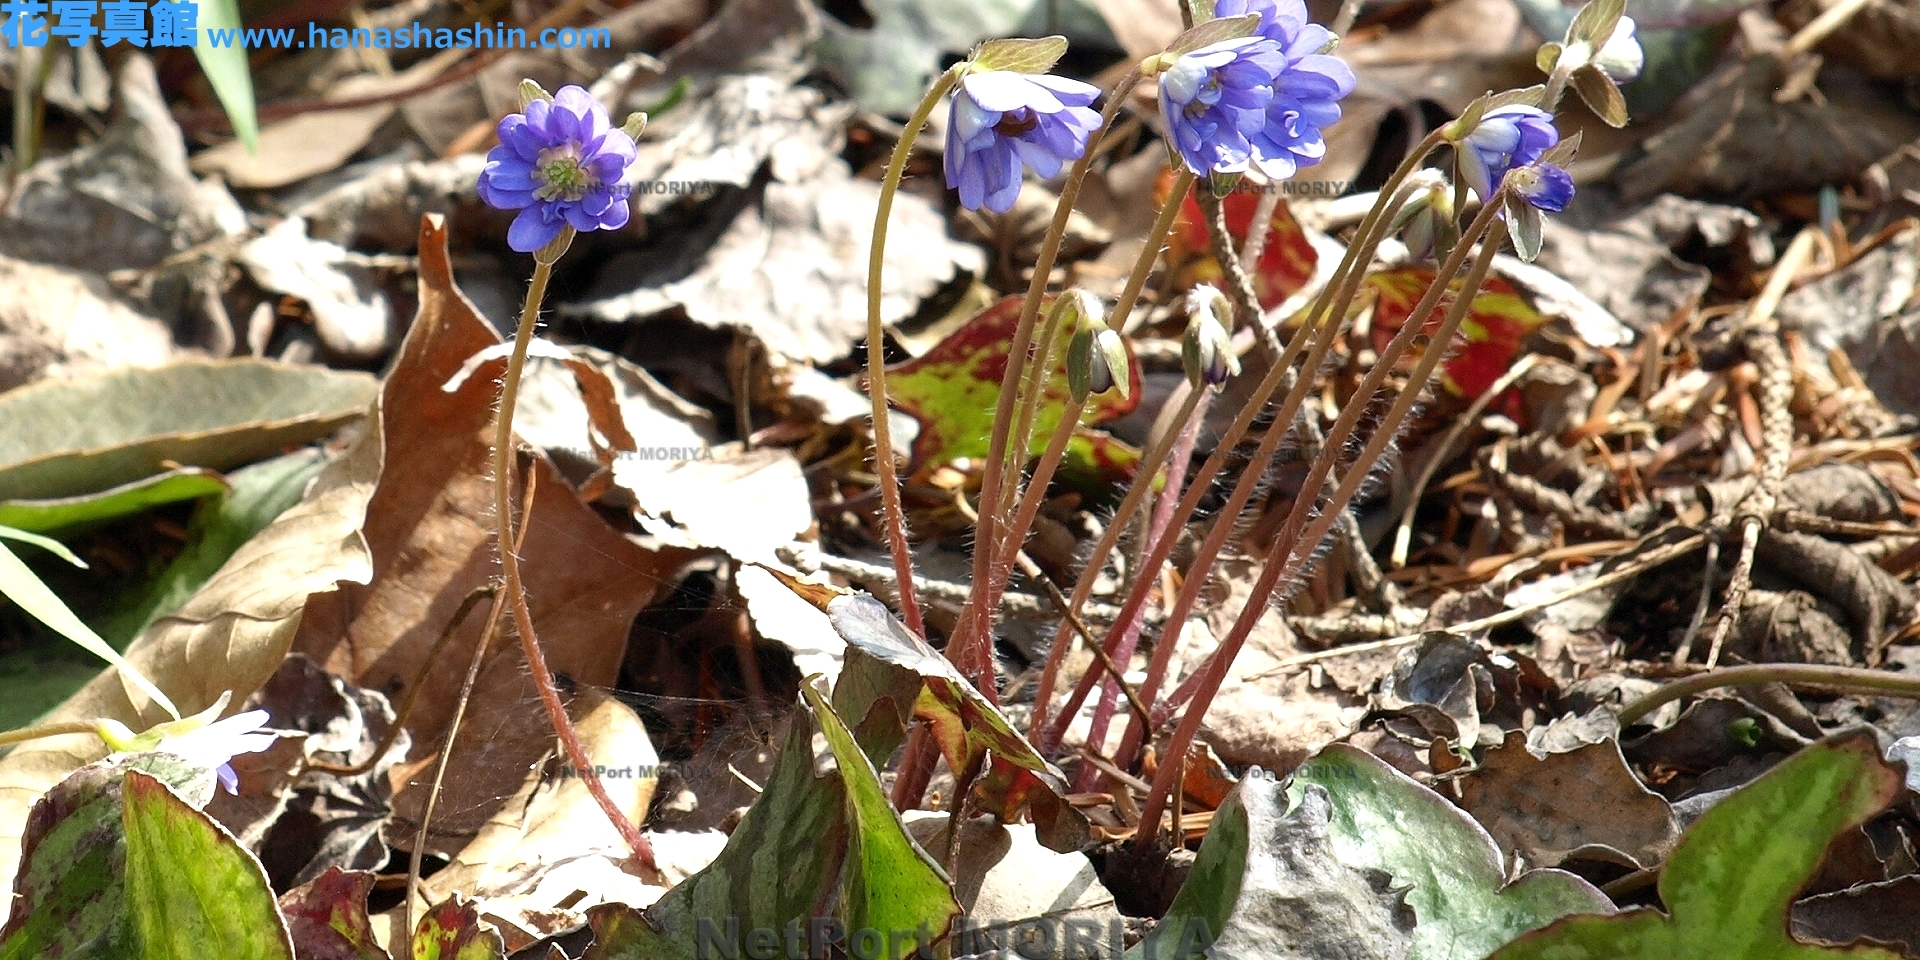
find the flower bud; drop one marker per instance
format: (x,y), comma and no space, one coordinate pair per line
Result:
(1621,57)
(1207,349)
(636,124)
(1426,223)
(1097,359)
(531,91)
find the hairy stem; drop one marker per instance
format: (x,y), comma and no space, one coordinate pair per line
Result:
(503,463)
(1291,553)
(1850,679)
(894,515)
(1319,328)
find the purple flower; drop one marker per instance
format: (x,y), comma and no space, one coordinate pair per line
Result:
(1506,137)
(559,163)
(1215,100)
(1003,120)
(1542,185)
(1306,91)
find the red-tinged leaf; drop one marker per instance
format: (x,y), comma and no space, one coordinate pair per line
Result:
(328,917)
(1286,263)
(955,388)
(453,931)
(1490,336)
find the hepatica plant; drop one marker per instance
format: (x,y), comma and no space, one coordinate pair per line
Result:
(1248,92)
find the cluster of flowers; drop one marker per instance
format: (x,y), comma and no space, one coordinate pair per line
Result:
(1256,103)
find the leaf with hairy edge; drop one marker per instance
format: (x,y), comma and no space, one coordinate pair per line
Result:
(1021,56)
(812,852)
(885,661)
(1287,262)
(954,389)
(192,891)
(1497,323)
(328,917)
(1383,820)
(453,931)
(1732,879)
(70,896)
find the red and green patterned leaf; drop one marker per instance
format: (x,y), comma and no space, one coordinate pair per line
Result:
(328,917)
(1490,337)
(453,931)
(954,391)
(1286,263)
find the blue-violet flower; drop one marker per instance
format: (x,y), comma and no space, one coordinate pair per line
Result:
(1542,185)
(1215,100)
(1506,137)
(1003,120)
(1306,91)
(560,164)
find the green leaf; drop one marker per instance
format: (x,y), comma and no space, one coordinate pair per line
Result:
(1384,820)
(20,585)
(1601,94)
(192,892)
(826,846)
(60,513)
(1214,31)
(260,493)
(1732,879)
(1020,56)
(954,389)
(71,890)
(71,437)
(1267,882)
(226,69)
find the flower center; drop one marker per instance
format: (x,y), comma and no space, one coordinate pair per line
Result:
(1016,122)
(560,175)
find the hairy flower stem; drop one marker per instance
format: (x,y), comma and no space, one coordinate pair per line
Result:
(503,463)
(972,652)
(1109,539)
(1319,329)
(893,514)
(1291,554)
(1849,679)
(25,734)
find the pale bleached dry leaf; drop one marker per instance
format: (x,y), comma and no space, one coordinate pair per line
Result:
(1009,884)
(125,201)
(58,322)
(350,310)
(552,822)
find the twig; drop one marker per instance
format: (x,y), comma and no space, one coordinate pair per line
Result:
(1707,572)
(1019,604)
(1851,679)
(1756,510)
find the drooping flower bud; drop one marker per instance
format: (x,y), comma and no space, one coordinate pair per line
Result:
(1097,358)
(1426,223)
(1621,58)
(1207,349)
